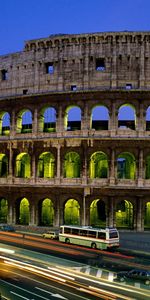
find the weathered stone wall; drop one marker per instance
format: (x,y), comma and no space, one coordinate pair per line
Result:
(84,61)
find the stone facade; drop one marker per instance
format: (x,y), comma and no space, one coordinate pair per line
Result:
(82,70)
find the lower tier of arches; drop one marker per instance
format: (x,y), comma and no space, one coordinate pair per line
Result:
(53,208)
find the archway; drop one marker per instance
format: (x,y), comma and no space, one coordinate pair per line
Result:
(98,165)
(98,213)
(47,212)
(72,119)
(72,212)
(24,212)
(3,210)
(3,165)
(47,119)
(147,216)
(23,168)
(24,121)
(46,165)
(126,166)
(99,118)
(4,123)
(127,117)
(72,165)
(124,214)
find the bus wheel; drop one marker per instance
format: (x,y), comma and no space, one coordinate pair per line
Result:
(93,246)
(67,241)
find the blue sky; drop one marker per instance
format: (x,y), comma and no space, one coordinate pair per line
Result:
(22,20)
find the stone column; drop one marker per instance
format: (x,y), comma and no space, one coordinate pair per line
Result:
(56,222)
(142,67)
(139,215)
(33,167)
(32,221)
(111,212)
(140,168)
(114,61)
(35,122)
(13,124)
(58,175)
(59,122)
(84,171)
(112,168)
(141,120)
(113,120)
(10,170)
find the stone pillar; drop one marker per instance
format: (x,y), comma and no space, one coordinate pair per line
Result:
(59,122)
(142,67)
(35,122)
(85,122)
(84,216)
(114,61)
(56,222)
(139,215)
(140,168)
(13,124)
(141,121)
(58,175)
(10,171)
(61,215)
(33,167)
(84,171)
(113,120)
(112,168)
(32,221)
(10,216)
(111,212)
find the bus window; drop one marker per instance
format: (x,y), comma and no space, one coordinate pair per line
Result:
(102,235)
(113,234)
(92,234)
(75,231)
(67,230)
(83,232)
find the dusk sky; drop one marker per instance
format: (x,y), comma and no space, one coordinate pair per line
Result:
(33,19)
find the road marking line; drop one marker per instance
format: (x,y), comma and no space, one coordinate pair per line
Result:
(52,294)
(111,276)
(99,273)
(19,295)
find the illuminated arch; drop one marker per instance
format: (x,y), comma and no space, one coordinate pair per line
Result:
(23,167)
(3,165)
(72,119)
(147,169)
(97,213)
(4,123)
(72,165)
(46,212)
(124,214)
(98,165)
(47,119)
(72,212)
(99,118)
(127,116)
(147,216)
(126,166)
(46,165)
(3,210)
(24,212)
(24,121)
(148,119)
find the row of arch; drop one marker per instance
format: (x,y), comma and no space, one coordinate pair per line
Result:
(99,119)
(72,165)
(124,213)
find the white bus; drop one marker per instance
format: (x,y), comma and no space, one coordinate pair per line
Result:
(88,236)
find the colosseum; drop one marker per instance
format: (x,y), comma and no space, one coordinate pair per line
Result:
(75,131)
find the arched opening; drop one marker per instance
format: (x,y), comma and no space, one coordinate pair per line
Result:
(46,165)
(97,213)
(72,119)
(147,216)
(24,121)
(126,166)
(72,212)
(46,212)
(3,165)
(23,168)
(47,120)
(98,165)
(99,118)
(72,165)
(124,214)
(148,119)
(127,117)
(147,165)
(3,210)
(24,212)
(4,123)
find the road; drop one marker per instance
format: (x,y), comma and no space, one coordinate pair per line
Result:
(34,280)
